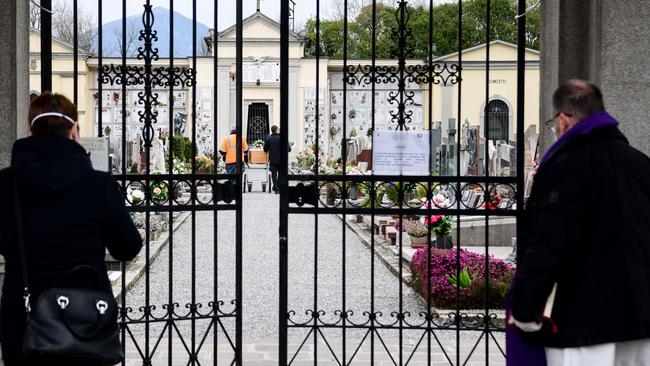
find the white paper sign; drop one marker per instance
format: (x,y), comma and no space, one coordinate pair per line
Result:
(97,148)
(400,152)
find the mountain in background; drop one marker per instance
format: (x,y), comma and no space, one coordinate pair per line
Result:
(112,33)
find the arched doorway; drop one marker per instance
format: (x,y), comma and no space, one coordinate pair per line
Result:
(498,117)
(258,122)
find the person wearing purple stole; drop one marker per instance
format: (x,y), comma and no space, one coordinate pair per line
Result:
(582,287)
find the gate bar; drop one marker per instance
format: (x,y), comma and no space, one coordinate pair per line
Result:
(46,45)
(460,111)
(521,102)
(239,196)
(100,70)
(283,176)
(75,54)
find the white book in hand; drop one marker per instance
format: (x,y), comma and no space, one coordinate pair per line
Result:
(548,309)
(550,301)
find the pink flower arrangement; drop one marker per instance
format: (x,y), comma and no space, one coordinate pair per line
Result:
(433,219)
(443,266)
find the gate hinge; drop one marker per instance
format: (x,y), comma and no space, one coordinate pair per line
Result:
(302,194)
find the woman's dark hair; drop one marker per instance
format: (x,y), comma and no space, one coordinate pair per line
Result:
(51,125)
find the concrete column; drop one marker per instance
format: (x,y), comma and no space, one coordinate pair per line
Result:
(14,78)
(602,41)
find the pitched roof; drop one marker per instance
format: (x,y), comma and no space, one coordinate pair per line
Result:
(62,43)
(226,33)
(483,45)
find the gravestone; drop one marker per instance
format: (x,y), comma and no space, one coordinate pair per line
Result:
(436,141)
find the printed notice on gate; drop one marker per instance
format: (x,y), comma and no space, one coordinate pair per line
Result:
(97,149)
(400,152)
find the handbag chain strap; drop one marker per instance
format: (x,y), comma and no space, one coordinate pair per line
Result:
(21,248)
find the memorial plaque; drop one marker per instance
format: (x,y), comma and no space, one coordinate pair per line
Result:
(265,72)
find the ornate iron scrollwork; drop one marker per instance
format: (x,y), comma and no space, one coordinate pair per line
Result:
(435,73)
(161,76)
(148,53)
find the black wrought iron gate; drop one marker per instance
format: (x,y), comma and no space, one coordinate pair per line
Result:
(154,101)
(146,105)
(369,318)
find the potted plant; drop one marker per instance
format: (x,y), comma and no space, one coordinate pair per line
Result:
(442,229)
(256,154)
(203,164)
(418,232)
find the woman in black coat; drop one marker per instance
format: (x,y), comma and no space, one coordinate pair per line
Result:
(71,214)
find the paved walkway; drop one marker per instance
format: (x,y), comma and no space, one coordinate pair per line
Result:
(260,293)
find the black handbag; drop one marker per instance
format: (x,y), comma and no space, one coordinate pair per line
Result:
(73,325)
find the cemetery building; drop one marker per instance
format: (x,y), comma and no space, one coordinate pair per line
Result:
(261,92)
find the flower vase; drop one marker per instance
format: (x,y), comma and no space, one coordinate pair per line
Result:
(418,242)
(443,242)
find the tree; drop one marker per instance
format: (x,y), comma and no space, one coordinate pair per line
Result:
(87,32)
(34,16)
(130,41)
(337,8)
(63,25)
(438,27)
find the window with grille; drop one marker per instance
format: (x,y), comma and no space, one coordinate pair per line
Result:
(258,122)
(498,118)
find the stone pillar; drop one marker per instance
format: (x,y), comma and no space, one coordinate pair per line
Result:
(603,41)
(14,78)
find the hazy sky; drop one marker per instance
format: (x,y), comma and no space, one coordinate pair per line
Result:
(112,9)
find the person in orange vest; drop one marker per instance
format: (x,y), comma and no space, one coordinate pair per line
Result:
(228,151)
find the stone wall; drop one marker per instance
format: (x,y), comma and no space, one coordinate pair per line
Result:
(606,42)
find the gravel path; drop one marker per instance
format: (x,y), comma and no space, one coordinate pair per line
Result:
(260,277)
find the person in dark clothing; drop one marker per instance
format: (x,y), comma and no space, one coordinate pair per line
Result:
(272,146)
(587,234)
(71,214)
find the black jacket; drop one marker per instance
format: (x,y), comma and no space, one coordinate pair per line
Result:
(587,227)
(71,214)
(272,146)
